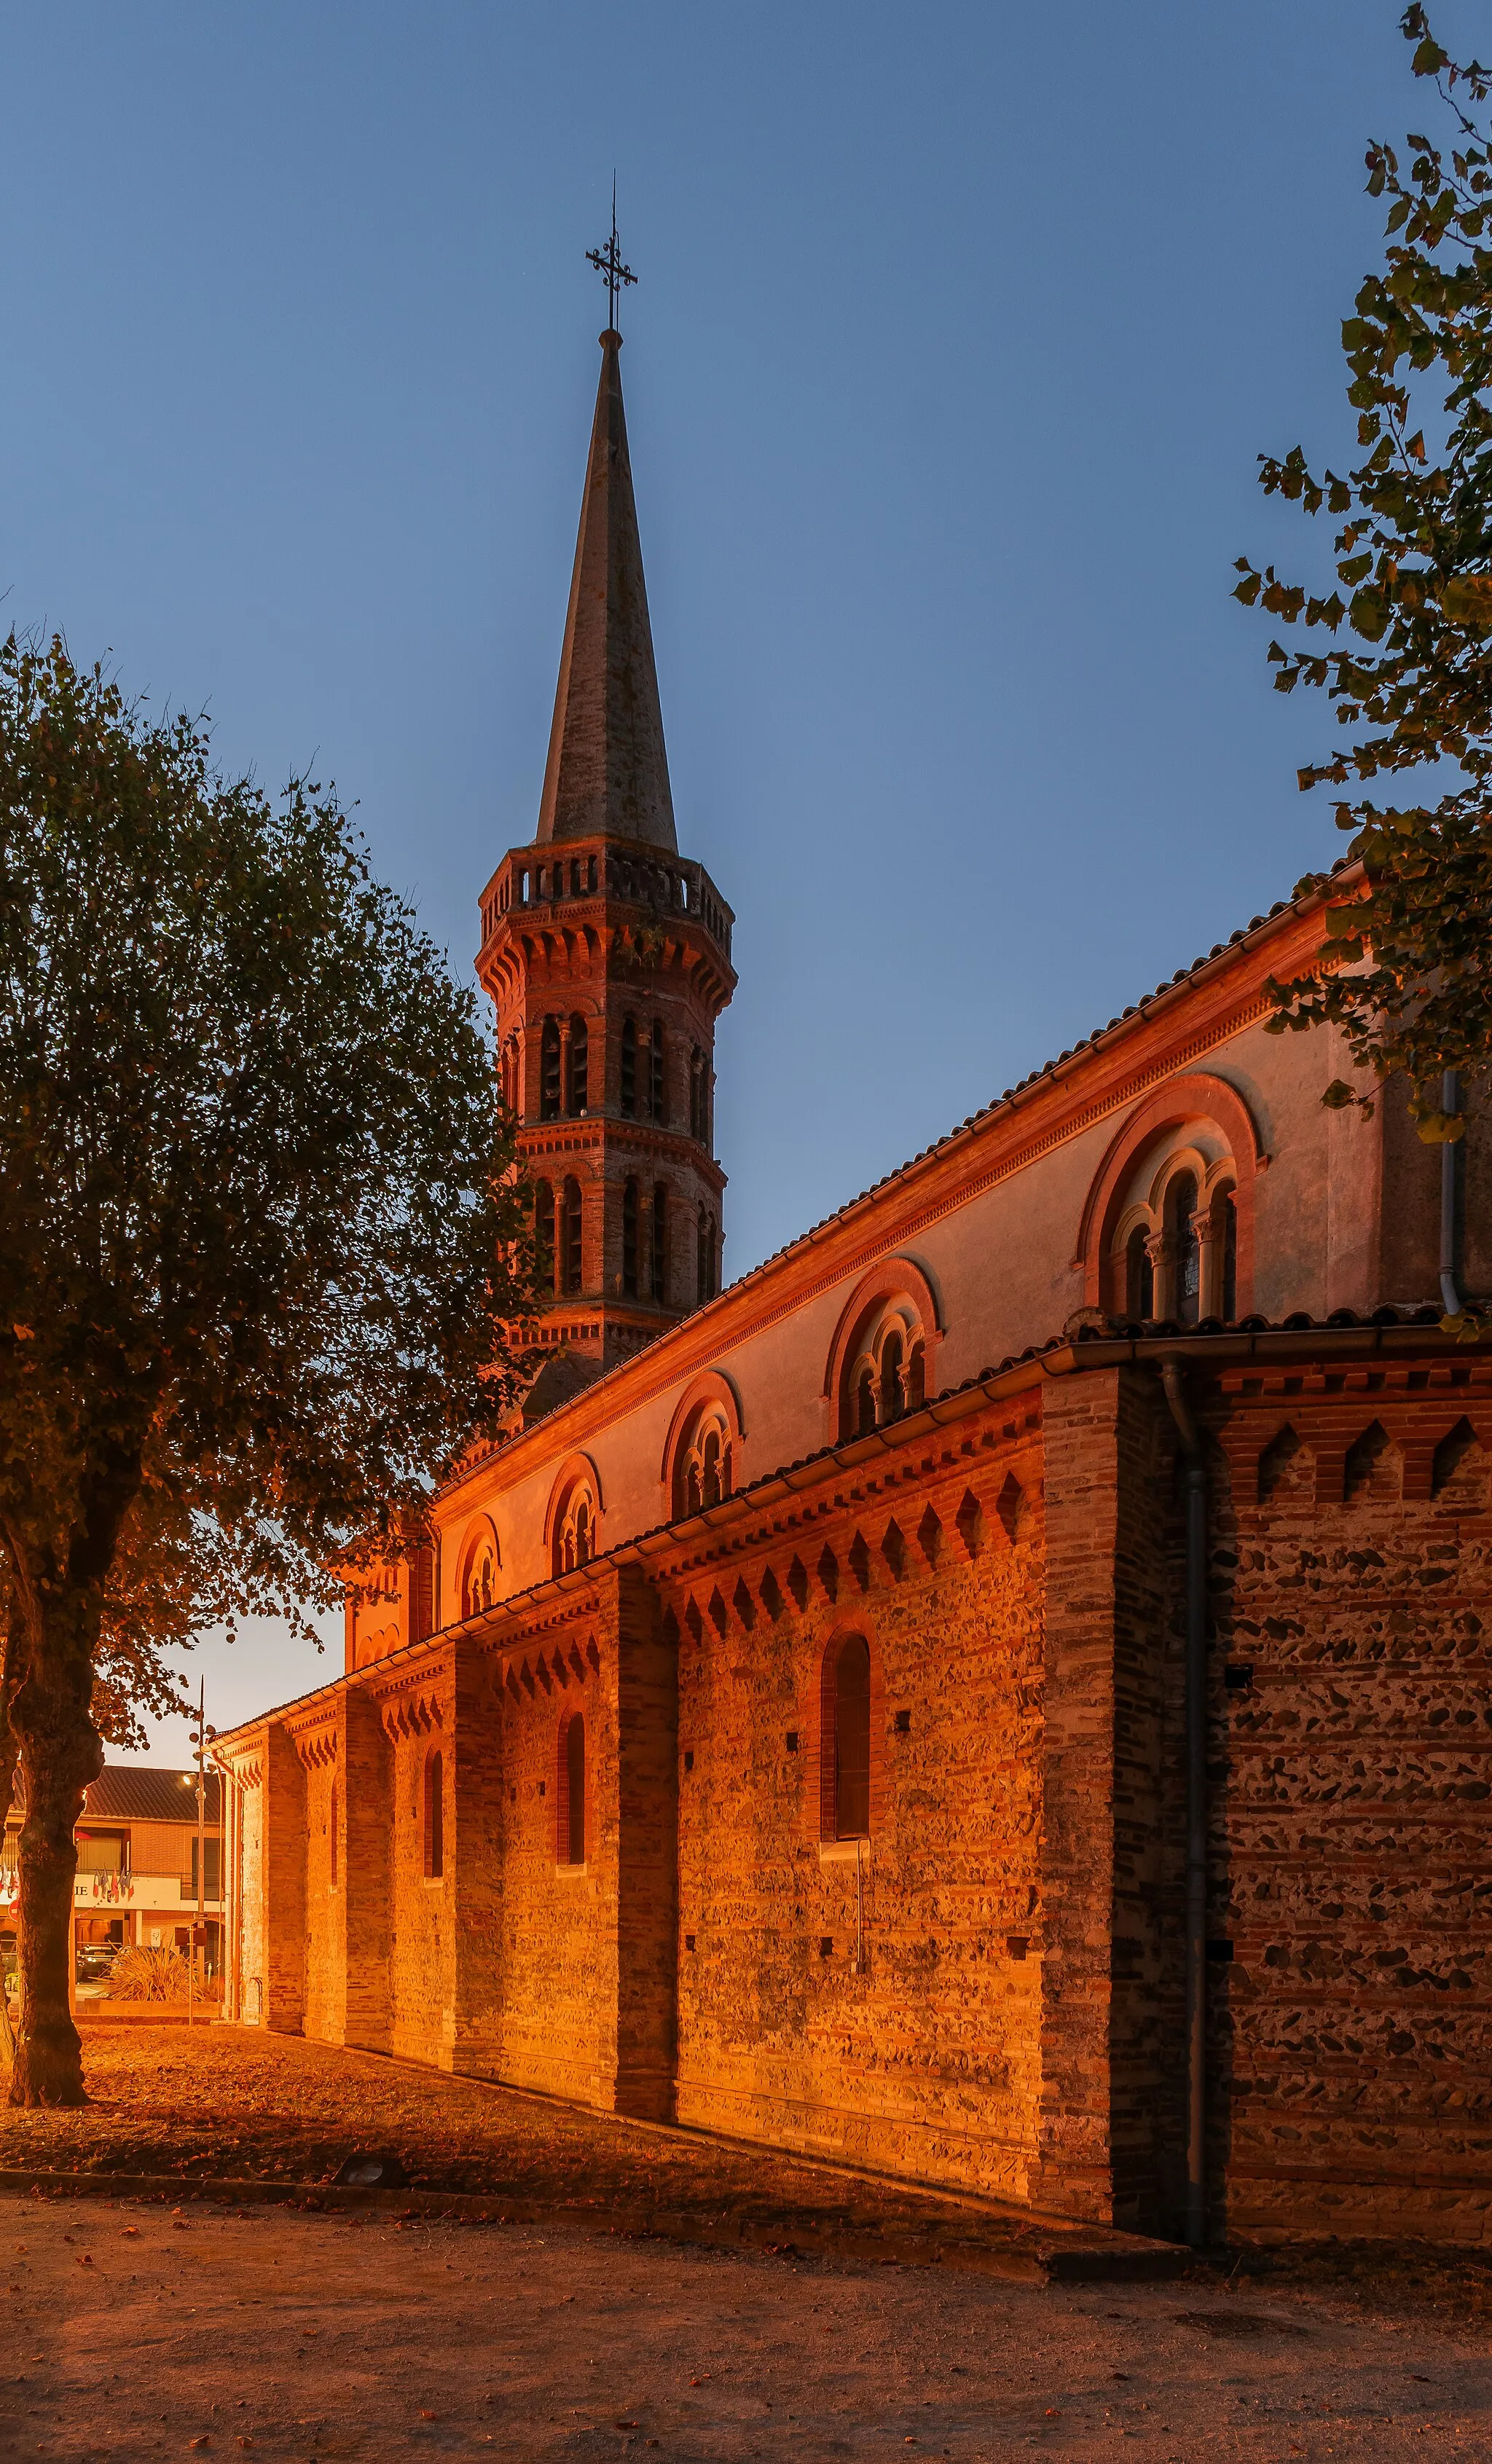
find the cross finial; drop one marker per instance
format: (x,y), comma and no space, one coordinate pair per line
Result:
(607,260)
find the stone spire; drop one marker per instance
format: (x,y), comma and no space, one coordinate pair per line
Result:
(607,773)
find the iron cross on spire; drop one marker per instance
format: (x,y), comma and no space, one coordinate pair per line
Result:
(607,260)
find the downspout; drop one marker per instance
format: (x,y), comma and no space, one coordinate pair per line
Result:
(1451,1300)
(1195,1696)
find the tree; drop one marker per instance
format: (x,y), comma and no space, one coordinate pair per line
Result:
(259,1232)
(1406,969)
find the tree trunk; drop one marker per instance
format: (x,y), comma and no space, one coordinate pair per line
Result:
(59,1752)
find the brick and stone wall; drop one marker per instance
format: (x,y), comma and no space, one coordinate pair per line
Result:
(989,1992)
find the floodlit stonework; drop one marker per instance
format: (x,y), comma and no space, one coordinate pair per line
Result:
(785,1734)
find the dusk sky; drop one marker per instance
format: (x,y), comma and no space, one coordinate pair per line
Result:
(957,335)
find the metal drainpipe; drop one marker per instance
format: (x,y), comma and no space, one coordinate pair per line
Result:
(1451,1300)
(1175,1381)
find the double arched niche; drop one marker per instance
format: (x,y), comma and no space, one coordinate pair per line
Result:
(701,1463)
(572,1526)
(1168,1231)
(481,1568)
(883,1359)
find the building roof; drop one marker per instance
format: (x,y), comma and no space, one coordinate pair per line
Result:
(607,772)
(141,1792)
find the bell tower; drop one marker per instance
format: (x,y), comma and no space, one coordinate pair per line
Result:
(607,958)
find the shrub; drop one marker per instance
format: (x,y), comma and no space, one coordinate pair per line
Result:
(149,1973)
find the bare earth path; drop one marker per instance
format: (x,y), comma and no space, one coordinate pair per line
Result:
(135,2334)
(160,2328)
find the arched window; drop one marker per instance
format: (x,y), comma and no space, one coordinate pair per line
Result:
(331,1835)
(877,1370)
(570,1262)
(892,1401)
(544,1236)
(702,1470)
(1184,1255)
(575,1532)
(580,1066)
(660,1244)
(1140,1276)
(851,1740)
(572,1791)
(629,1067)
(706,1263)
(656,1084)
(696,1095)
(434,1818)
(480,1584)
(550,1087)
(629,1240)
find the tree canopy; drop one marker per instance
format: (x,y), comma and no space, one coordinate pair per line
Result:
(260,1233)
(1407,970)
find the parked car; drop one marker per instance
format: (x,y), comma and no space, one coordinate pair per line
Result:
(94,1960)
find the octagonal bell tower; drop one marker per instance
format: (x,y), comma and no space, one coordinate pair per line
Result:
(607,958)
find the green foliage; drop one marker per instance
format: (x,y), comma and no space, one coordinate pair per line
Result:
(1406,969)
(260,1233)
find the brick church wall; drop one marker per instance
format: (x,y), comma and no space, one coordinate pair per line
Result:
(1352,1865)
(559,2017)
(927,2062)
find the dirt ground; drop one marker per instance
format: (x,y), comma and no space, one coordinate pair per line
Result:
(139,2333)
(156,2327)
(231,2102)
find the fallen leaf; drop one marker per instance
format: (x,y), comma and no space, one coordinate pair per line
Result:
(426,2416)
(85,2258)
(130,2232)
(626,2425)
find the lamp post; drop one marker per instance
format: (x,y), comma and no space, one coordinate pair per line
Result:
(201,1736)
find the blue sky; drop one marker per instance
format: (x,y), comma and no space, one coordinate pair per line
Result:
(958,331)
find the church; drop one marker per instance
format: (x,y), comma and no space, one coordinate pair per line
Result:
(996,1696)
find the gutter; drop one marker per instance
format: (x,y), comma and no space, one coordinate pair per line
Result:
(1174,1378)
(1451,1300)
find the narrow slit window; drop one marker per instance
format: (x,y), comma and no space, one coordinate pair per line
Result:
(628,1092)
(550,1085)
(630,1240)
(1185,1249)
(571,1261)
(575,1790)
(580,1066)
(656,1079)
(434,1818)
(852,1740)
(1139,1277)
(544,1237)
(660,1245)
